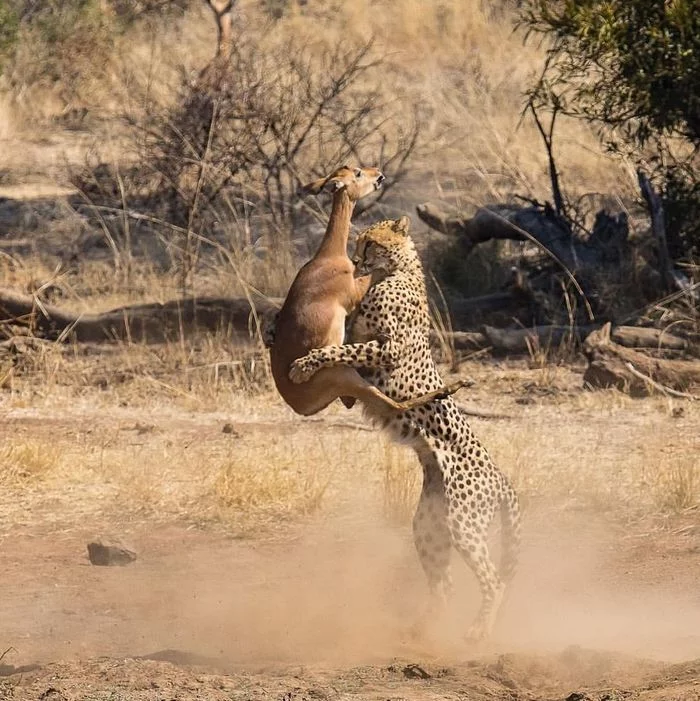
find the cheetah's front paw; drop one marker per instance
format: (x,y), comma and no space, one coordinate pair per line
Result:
(301,370)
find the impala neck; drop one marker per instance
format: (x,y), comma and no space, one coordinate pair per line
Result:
(335,240)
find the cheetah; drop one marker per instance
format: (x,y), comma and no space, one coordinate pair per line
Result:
(462,488)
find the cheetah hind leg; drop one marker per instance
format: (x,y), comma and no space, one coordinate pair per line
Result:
(490,585)
(481,628)
(431,538)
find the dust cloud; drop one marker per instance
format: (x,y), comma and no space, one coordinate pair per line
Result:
(350,592)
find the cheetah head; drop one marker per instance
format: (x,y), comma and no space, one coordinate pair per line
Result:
(379,248)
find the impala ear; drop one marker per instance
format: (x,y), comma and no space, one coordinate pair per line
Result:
(402,225)
(334,185)
(313,188)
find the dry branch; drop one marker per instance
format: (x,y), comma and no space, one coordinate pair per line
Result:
(660,388)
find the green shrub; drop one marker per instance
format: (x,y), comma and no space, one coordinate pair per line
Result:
(632,68)
(9,27)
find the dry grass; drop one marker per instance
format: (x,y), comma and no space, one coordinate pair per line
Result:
(458,62)
(251,487)
(204,375)
(613,458)
(26,462)
(402,483)
(157,451)
(676,482)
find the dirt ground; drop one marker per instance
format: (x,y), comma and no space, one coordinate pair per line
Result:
(606,604)
(274,553)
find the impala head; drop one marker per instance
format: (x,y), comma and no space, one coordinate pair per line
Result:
(382,247)
(357,182)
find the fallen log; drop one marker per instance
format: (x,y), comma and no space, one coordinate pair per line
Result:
(236,317)
(144,323)
(522,340)
(643,337)
(612,365)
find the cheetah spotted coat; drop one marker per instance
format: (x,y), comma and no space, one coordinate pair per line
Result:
(462,488)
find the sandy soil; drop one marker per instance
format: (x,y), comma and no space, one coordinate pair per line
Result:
(601,606)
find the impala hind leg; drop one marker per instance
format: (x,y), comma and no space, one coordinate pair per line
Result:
(441,393)
(345,383)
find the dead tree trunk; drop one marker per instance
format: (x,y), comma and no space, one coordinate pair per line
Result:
(542,226)
(672,277)
(212,77)
(223,14)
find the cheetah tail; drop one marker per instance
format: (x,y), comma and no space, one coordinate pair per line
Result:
(510,532)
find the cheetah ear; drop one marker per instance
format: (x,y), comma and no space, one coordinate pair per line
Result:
(402,225)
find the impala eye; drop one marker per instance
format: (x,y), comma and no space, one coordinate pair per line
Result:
(358,172)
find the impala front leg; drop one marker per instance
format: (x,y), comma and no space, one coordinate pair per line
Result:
(373,354)
(268,330)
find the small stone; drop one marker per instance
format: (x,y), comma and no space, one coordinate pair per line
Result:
(109,555)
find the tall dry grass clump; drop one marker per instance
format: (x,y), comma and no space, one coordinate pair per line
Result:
(402,480)
(23,462)
(677,483)
(249,490)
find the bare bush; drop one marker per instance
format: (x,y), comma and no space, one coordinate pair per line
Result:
(233,151)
